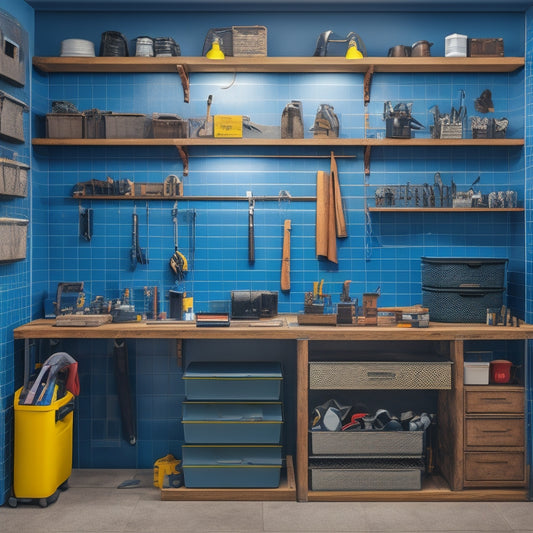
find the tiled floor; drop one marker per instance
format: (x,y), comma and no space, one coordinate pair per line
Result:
(93,503)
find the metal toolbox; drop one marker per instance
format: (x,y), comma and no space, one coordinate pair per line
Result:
(232,422)
(380,375)
(168,125)
(11,120)
(233,381)
(461,305)
(13,236)
(223,466)
(368,443)
(491,47)
(379,474)
(65,126)
(13,178)
(456,272)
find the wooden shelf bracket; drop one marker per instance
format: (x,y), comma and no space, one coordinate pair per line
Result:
(368,148)
(367,84)
(184,154)
(185,83)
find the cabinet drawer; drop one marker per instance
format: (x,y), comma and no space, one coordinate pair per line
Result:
(494,432)
(502,401)
(494,466)
(380,375)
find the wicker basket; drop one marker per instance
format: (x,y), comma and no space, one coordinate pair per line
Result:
(13,235)
(65,126)
(249,41)
(11,122)
(13,178)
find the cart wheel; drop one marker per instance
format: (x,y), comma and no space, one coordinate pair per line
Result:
(43,502)
(12,502)
(64,486)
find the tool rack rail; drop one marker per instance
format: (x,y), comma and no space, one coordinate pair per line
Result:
(450,337)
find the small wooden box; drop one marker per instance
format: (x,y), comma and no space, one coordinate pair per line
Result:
(492,47)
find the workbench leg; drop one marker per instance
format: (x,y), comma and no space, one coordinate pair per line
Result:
(302,416)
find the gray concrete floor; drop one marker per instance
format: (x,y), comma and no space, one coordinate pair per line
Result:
(93,503)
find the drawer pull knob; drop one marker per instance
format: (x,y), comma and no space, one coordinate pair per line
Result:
(381,375)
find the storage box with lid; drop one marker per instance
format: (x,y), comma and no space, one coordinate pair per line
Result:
(11,118)
(235,466)
(462,289)
(233,381)
(168,125)
(232,422)
(13,178)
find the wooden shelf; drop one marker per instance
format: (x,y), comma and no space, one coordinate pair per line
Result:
(278,64)
(327,142)
(444,209)
(200,198)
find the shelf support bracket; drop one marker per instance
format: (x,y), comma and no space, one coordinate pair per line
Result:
(367,160)
(184,154)
(367,84)
(185,82)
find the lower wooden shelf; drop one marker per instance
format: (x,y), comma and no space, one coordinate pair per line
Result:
(285,492)
(434,489)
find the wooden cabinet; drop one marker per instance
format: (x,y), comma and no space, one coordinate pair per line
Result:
(494,436)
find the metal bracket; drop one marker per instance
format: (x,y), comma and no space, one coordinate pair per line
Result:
(185,83)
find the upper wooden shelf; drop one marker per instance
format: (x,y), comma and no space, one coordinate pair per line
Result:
(278,64)
(327,141)
(444,209)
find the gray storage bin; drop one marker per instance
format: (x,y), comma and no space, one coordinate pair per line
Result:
(65,126)
(13,178)
(232,422)
(467,272)
(231,466)
(127,126)
(169,126)
(13,236)
(368,443)
(233,381)
(11,120)
(461,305)
(371,375)
(366,475)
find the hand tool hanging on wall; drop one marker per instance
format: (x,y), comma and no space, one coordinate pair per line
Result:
(340,222)
(178,262)
(85,223)
(286,257)
(251,241)
(206,130)
(137,255)
(326,242)
(127,413)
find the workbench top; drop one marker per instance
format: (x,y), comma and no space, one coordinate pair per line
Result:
(281,327)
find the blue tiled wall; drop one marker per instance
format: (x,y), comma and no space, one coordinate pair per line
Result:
(15,278)
(381,250)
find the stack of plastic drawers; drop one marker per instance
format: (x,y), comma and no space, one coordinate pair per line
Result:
(232,420)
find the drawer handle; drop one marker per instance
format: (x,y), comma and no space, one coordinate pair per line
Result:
(495,400)
(381,375)
(491,462)
(495,431)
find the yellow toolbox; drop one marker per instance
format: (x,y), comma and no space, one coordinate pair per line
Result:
(43,450)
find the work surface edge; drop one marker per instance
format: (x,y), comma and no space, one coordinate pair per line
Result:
(45,329)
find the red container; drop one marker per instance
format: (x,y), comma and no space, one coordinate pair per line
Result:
(500,371)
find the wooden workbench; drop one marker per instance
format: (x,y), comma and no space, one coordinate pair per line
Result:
(447,338)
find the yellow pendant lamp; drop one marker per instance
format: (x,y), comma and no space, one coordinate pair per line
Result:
(215,52)
(353,52)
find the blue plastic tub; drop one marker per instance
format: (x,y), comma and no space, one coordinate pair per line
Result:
(233,381)
(232,422)
(231,466)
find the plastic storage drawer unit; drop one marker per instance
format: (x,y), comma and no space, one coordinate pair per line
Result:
(232,422)
(233,381)
(231,466)
(43,448)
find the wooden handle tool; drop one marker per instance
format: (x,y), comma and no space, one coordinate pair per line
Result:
(340,221)
(286,258)
(322,201)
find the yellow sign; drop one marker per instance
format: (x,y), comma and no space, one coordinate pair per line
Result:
(228,126)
